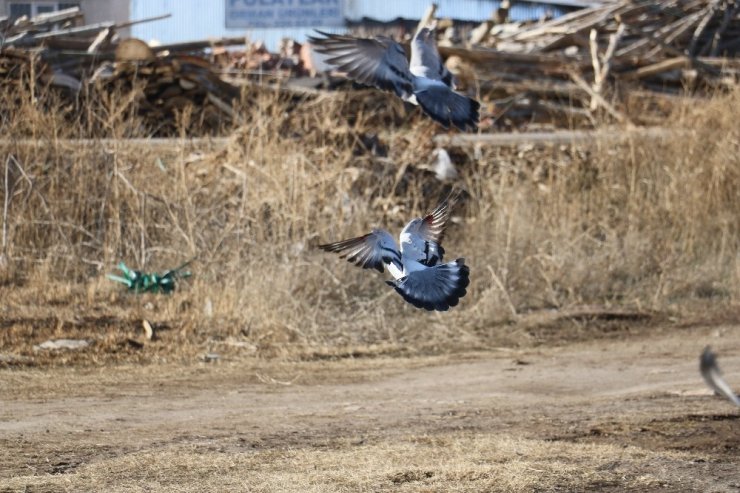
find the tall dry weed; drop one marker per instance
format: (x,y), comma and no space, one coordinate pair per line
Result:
(648,223)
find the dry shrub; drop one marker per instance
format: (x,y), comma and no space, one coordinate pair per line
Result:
(648,223)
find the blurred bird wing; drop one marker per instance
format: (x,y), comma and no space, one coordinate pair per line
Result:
(378,62)
(430,228)
(712,375)
(368,251)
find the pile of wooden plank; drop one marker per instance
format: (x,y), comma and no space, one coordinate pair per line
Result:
(590,59)
(57,51)
(592,64)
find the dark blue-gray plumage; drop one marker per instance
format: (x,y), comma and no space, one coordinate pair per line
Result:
(420,277)
(382,63)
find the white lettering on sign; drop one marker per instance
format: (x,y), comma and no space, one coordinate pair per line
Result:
(283,13)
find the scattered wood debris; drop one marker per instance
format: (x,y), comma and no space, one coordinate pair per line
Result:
(585,61)
(70,344)
(585,67)
(56,50)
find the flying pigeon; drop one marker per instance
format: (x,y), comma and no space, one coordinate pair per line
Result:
(382,62)
(710,371)
(420,277)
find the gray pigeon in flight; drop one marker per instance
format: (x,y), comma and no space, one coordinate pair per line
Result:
(419,274)
(710,371)
(382,62)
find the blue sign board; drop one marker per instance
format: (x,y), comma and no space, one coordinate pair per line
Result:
(283,13)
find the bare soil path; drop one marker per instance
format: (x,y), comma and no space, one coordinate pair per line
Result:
(616,415)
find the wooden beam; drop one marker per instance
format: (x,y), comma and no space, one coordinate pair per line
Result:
(428,17)
(656,68)
(143,20)
(600,100)
(553,138)
(200,44)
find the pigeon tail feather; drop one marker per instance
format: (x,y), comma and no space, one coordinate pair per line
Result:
(448,107)
(436,288)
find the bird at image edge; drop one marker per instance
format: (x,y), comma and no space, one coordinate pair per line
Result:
(382,62)
(420,277)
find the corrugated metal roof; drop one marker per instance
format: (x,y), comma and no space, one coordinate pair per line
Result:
(192,20)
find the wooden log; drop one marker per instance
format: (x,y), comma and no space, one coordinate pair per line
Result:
(568,110)
(427,18)
(532,61)
(729,14)
(618,115)
(200,44)
(142,21)
(594,50)
(222,105)
(660,42)
(663,32)
(561,25)
(133,49)
(74,31)
(72,46)
(50,18)
(701,27)
(66,81)
(564,41)
(674,36)
(481,33)
(601,76)
(656,68)
(102,39)
(553,138)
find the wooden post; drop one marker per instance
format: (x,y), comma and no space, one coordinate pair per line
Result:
(601,76)
(594,47)
(427,18)
(618,115)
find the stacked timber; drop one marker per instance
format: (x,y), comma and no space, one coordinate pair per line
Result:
(591,59)
(607,62)
(57,51)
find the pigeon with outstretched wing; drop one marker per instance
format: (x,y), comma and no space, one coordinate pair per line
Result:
(382,63)
(420,277)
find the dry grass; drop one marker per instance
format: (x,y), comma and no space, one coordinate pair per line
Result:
(460,462)
(646,224)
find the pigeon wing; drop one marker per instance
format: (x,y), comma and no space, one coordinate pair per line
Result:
(425,234)
(435,288)
(378,62)
(432,226)
(710,371)
(368,251)
(425,60)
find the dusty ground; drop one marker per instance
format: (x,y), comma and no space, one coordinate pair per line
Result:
(625,413)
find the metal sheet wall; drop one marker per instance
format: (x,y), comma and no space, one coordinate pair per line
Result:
(475,10)
(198,19)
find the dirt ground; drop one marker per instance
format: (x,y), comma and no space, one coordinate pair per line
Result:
(615,414)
